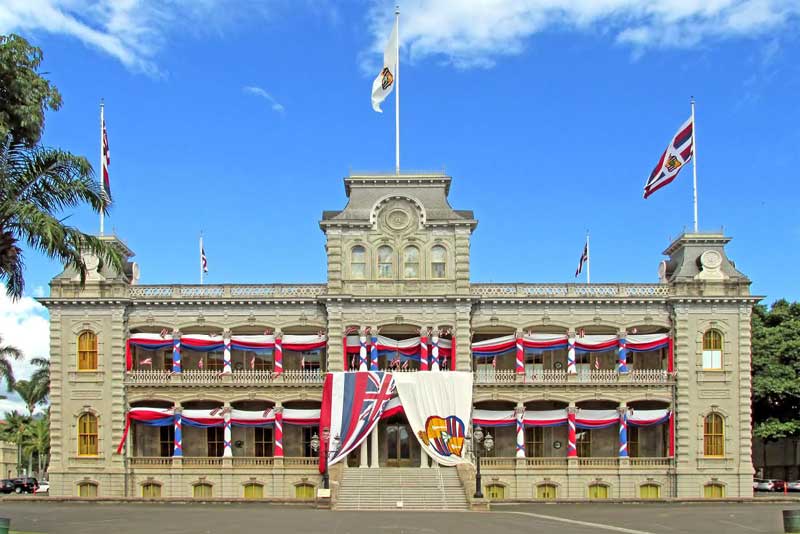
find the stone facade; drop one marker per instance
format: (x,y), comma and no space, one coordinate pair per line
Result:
(399,260)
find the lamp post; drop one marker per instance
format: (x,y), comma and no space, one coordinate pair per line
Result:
(315,443)
(480,441)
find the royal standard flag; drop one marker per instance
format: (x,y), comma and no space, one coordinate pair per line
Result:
(385,81)
(678,153)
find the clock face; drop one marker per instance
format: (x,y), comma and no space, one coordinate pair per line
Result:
(556,445)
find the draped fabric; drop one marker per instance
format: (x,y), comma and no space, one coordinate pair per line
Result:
(588,343)
(352,405)
(493,417)
(587,419)
(402,349)
(545,417)
(438,407)
(648,417)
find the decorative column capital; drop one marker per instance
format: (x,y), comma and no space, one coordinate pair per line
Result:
(176,332)
(278,333)
(226,333)
(519,411)
(278,409)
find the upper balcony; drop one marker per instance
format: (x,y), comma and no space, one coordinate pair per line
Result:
(179,292)
(571,291)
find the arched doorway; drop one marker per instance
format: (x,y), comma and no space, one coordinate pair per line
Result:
(399,442)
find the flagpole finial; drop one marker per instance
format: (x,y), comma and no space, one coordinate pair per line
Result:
(397,9)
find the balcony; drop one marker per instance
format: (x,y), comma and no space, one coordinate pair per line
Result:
(194,377)
(227,292)
(558,377)
(588,464)
(218,463)
(571,291)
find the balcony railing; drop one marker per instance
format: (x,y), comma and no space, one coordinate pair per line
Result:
(216,461)
(207,377)
(590,291)
(227,291)
(562,462)
(201,461)
(150,461)
(558,376)
(253,461)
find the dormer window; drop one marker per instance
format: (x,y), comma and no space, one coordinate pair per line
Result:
(385,262)
(411,262)
(438,262)
(358,262)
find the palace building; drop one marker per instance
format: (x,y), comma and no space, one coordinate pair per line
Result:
(581,391)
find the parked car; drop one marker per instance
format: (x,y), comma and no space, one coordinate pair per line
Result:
(25,485)
(6,486)
(793,486)
(768,484)
(44,487)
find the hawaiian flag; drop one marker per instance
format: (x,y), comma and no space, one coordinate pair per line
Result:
(678,153)
(203,260)
(352,405)
(146,361)
(584,259)
(106,159)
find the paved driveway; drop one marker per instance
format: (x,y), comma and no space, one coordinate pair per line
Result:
(165,518)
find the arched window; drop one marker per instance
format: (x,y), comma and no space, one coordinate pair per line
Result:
(546,491)
(713,491)
(495,492)
(411,262)
(151,490)
(649,491)
(304,492)
(87,351)
(438,262)
(253,491)
(385,262)
(712,350)
(202,491)
(358,262)
(714,435)
(87,435)
(598,491)
(87,489)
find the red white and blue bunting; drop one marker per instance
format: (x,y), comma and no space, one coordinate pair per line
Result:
(364,351)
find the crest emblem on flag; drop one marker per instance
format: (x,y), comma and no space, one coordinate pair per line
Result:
(673,163)
(386,78)
(679,151)
(444,434)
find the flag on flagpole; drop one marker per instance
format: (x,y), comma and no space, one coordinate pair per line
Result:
(385,81)
(596,363)
(494,362)
(678,153)
(584,259)
(106,160)
(253,362)
(146,361)
(203,260)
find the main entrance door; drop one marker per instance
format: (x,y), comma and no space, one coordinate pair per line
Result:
(398,444)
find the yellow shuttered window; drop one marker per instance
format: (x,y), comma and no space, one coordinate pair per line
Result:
(87,351)
(151,491)
(598,491)
(649,491)
(87,435)
(546,491)
(202,491)
(714,435)
(304,491)
(253,491)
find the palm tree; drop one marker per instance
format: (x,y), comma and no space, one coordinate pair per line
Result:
(35,185)
(12,431)
(32,393)
(8,353)
(41,376)
(36,440)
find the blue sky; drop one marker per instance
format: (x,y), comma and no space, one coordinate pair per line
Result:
(549,120)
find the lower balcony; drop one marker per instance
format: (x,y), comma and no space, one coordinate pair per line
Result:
(254,377)
(560,377)
(590,464)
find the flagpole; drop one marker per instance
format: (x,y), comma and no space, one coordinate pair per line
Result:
(201,258)
(588,260)
(102,163)
(694,165)
(397,93)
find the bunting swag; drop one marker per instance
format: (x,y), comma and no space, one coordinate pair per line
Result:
(438,407)
(352,404)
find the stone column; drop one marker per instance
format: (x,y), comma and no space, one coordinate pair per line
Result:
(375,456)
(423,352)
(622,351)
(177,451)
(227,450)
(519,413)
(278,438)
(435,351)
(176,351)
(226,351)
(364,456)
(423,458)
(572,444)
(520,353)
(362,350)
(278,352)
(373,353)
(571,369)
(623,430)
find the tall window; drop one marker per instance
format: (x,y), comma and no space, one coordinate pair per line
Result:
(166,440)
(202,491)
(411,262)
(308,433)
(87,435)
(151,490)
(584,442)
(546,491)
(713,491)
(598,491)
(714,435)
(438,262)
(633,441)
(385,262)
(534,442)
(712,350)
(304,492)
(87,489)
(495,492)
(264,442)
(87,351)
(253,491)
(358,262)
(215,436)
(649,491)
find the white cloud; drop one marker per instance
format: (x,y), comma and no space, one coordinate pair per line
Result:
(475,33)
(24,324)
(258,91)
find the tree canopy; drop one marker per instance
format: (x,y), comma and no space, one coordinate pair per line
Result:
(776,370)
(24,93)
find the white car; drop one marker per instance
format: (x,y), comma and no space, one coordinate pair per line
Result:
(44,487)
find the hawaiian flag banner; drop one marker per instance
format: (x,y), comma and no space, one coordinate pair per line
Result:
(678,153)
(584,259)
(352,404)
(203,260)
(438,408)
(106,160)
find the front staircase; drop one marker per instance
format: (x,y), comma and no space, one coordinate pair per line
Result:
(418,489)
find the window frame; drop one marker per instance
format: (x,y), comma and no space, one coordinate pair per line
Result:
(87,356)
(166,441)
(390,274)
(633,441)
(710,487)
(85,442)
(593,488)
(150,486)
(264,443)
(543,489)
(435,263)
(584,443)
(362,263)
(215,441)
(406,263)
(252,486)
(206,487)
(495,492)
(304,491)
(647,487)
(713,347)
(85,486)
(534,442)
(713,440)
